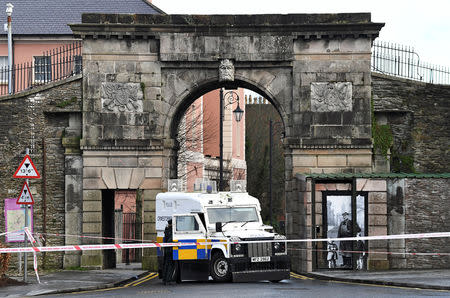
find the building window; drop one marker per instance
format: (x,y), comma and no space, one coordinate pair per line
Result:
(42,69)
(77,64)
(4,74)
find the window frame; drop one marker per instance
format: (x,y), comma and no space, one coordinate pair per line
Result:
(46,66)
(201,229)
(4,77)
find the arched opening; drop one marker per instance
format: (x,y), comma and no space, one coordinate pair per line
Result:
(253,148)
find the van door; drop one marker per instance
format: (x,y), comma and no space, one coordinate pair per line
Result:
(193,259)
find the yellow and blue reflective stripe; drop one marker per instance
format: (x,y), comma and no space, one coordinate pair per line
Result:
(191,252)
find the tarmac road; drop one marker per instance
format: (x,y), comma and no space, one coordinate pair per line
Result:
(298,286)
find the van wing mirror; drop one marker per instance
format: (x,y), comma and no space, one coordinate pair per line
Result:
(218,226)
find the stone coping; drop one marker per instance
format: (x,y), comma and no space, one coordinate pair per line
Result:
(210,20)
(308,26)
(41,88)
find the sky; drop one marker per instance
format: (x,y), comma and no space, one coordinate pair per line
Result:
(423,25)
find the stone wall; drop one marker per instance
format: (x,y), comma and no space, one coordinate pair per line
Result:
(426,208)
(418,114)
(38,119)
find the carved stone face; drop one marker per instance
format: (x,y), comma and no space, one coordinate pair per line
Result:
(226,70)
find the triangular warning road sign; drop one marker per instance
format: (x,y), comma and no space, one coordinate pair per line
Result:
(25,197)
(26,169)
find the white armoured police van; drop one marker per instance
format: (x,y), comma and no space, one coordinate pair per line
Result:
(216,219)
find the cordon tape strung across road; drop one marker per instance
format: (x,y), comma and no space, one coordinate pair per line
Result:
(153,245)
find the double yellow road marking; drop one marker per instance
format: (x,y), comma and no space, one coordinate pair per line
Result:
(148,277)
(143,279)
(298,276)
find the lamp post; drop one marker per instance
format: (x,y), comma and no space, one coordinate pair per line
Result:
(229,97)
(9,10)
(271,126)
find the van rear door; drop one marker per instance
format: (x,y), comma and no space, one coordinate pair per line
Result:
(193,258)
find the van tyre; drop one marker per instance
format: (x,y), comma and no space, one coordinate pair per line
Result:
(220,268)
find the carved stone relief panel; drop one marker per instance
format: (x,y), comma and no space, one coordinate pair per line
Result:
(331,97)
(121,97)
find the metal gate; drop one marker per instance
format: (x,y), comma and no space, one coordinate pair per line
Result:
(129,233)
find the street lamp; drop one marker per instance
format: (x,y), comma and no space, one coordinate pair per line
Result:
(229,97)
(272,124)
(9,10)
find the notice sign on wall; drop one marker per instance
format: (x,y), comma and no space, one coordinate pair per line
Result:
(15,220)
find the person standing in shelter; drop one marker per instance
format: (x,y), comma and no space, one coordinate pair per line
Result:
(169,264)
(345,247)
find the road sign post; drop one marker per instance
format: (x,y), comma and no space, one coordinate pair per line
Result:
(26,170)
(25,264)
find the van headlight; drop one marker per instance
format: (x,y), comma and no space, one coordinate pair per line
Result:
(237,249)
(279,247)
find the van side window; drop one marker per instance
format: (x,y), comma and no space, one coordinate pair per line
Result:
(186,223)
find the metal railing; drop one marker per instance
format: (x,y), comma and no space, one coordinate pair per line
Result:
(66,61)
(402,61)
(129,232)
(51,66)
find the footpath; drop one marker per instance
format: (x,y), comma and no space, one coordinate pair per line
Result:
(77,280)
(67,281)
(437,279)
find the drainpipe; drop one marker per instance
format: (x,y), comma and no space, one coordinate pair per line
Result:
(9,10)
(44,196)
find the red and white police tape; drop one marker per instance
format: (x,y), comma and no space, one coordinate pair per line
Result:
(177,244)
(33,243)
(381,252)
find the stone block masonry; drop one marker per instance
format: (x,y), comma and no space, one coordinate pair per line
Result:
(332,161)
(426,210)
(418,115)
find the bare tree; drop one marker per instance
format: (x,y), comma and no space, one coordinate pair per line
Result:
(191,138)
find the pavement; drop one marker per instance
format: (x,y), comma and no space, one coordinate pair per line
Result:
(67,281)
(437,279)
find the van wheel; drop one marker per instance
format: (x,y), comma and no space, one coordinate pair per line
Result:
(220,268)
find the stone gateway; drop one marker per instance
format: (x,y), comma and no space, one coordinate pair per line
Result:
(141,72)
(113,129)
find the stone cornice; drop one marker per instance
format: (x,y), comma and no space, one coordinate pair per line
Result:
(305,26)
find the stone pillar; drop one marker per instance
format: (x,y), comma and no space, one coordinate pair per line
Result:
(92,226)
(73,188)
(157,166)
(149,259)
(296,222)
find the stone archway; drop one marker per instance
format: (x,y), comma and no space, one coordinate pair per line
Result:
(141,71)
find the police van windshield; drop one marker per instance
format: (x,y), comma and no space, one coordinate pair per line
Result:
(233,214)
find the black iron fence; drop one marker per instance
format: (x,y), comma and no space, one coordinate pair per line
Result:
(402,61)
(66,61)
(129,232)
(51,66)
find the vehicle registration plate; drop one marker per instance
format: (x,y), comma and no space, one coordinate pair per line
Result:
(260,259)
